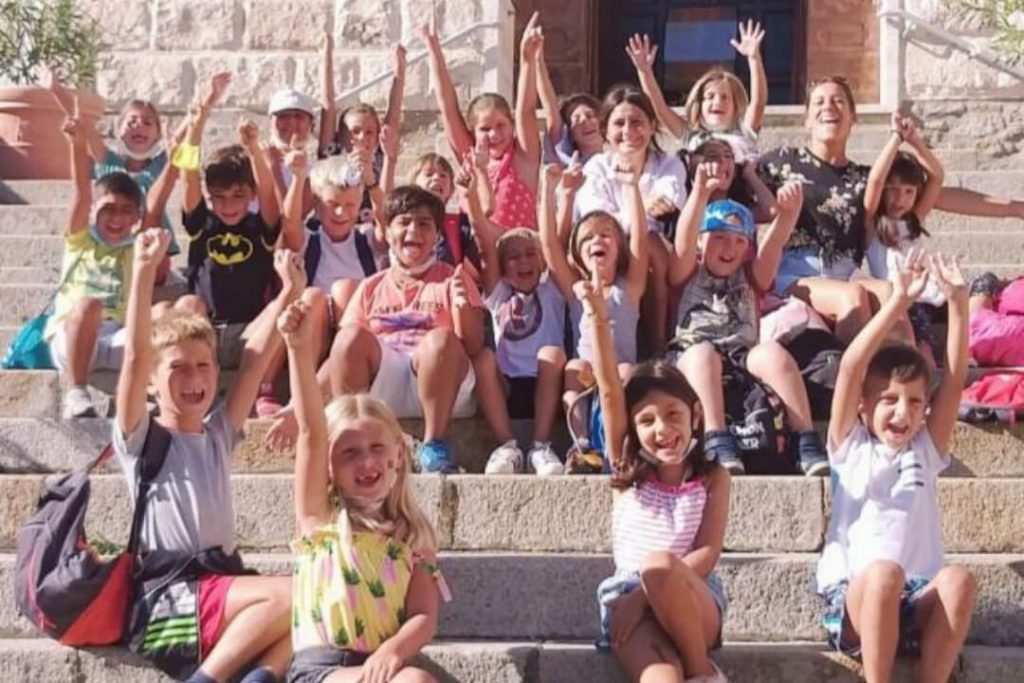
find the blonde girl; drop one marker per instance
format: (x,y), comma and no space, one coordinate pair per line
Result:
(718,105)
(512,144)
(662,610)
(366,586)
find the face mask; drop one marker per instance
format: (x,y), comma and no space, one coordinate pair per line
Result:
(677,460)
(95,234)
(146,155)
(415,271)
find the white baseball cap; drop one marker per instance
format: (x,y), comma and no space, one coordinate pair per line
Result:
(290,98)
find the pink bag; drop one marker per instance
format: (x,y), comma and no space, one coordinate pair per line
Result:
(997,339)
(1011,299)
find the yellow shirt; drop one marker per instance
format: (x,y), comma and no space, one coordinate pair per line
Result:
(97,271)
(349,588)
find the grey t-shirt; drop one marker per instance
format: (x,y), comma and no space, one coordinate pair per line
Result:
(188,506)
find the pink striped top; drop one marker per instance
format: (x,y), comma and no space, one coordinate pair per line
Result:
(655,516)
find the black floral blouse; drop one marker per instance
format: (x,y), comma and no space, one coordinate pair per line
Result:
(833,216)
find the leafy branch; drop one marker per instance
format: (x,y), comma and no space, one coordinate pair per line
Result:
(1005,18)
(55,33)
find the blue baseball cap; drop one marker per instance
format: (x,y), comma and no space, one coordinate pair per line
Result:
(727,215)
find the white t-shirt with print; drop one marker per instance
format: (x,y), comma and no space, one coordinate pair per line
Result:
(523,323)
(884,507)
(663,176)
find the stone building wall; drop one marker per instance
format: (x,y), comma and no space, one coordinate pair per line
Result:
(842,38)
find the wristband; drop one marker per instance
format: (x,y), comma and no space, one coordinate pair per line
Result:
(186,157)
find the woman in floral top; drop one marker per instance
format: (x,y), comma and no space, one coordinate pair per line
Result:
(819,264)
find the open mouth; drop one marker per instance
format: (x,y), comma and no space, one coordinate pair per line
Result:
(670,445)
(897,431)
(368,479)
(194,397)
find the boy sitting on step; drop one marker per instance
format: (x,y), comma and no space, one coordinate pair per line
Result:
(191,573)
(881,572)
(85,330)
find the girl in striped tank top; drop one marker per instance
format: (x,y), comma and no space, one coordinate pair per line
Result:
(662,610)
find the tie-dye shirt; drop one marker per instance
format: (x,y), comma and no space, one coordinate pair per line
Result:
(399,310)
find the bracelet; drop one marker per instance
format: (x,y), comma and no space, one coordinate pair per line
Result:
(186,157)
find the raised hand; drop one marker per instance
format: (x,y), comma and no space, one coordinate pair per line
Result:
(296,325)
(533,39)
(466,177)
(641,52)
(749,44)
(550,175)
(590,294)
(910,276)
(290,268)
(72,128)
(789,200)
(626,174)
(150,248)
(949,278)
(248,133)
(360,160)
(709,176)
(389,141)
(482,153)
(219,83)
(572,175)
(295,159)
(428,31)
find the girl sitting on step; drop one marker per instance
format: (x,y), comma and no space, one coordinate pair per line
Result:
(366,583)
(662,610)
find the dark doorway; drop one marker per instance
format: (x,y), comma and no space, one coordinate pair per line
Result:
(693,36)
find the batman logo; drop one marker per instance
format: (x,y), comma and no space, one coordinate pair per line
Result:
(229,249)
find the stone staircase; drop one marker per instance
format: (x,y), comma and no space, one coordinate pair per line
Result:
(524,555)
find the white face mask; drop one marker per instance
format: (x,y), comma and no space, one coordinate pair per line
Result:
(675,460)
(148,154)
(415,271)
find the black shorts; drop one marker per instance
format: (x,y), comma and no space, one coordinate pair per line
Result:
(521,392)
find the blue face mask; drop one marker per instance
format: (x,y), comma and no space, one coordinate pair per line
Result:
(94,232)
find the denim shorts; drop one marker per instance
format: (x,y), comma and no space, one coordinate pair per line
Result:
(802,262)
(624,583)
(834,619)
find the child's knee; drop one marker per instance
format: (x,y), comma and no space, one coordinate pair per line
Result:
(957,583)
(702,355)
(353,341)
(552,356)
(87,310)
(662,570)
(438,341)
(853,300)
(769,357)
(884,578)
(411,674)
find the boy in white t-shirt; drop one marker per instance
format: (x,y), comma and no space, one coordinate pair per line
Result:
(881,572)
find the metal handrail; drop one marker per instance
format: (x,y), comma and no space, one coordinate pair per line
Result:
(912,20)
(418,57)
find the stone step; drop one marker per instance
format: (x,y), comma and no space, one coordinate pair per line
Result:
(526,513)
(525,662)
(552,597)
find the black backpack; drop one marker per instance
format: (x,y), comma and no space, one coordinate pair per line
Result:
(757,418)
(60,582)
(817,353)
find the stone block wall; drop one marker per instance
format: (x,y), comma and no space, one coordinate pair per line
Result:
(165,50)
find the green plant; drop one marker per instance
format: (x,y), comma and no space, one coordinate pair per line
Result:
(1006,19)
(54,33)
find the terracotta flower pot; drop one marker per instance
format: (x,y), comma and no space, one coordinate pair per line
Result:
(31,144)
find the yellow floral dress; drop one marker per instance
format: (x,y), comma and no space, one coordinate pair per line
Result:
(348,588)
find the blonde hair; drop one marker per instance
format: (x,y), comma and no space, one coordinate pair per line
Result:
(429,159)
(740,98)
(502,245)
(334,171)
(403,517)
(175,327)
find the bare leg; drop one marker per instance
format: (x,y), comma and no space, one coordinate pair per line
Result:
(578,377)
(655,301)
(773,365)
(702,367)
(490,393)
(845,304)
(354,361)
(550,365)
(879,292)
(683,605)
(341,294)
(82,329)
(873,610)
(944,614)
(649,656)
(257,617)
(440,363)
(352,674)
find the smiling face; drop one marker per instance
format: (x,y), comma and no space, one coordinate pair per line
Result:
(366,457)
(230,204)
(436,179)
(522,263)
(664,426)
(720,152)
(492,127)
(629,131)
(830,114)
(116,216)
(898,198)
(412,236)
(717,106)
(362,131)
(722,252)
(185,380)
(599,241)
(292,122)
(585,128)
(140,128)
(893,410)
(338,209)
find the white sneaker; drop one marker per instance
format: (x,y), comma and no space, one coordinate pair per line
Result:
(716,677)
(78,403)
(505,459)
(544,461)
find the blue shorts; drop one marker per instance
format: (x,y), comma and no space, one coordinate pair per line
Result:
(625,583)
(802,262)
(835,622)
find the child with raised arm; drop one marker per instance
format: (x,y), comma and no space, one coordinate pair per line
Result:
(601,249)
(85,330)
(718,105)
(187,537)
(717,328)
(512,143)
(366,583)
(662,610)
(881,573)
(572,123)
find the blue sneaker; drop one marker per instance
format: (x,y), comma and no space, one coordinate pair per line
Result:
(720,445)
(436,457)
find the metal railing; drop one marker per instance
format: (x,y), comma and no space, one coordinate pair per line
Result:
(414,59)
(911,21)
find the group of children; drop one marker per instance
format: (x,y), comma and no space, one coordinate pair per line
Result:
(558,278)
